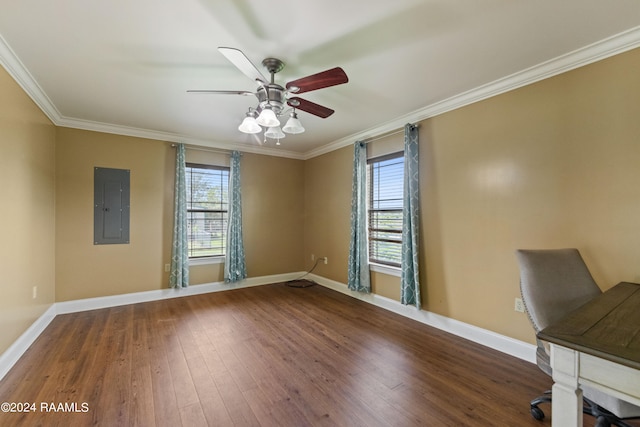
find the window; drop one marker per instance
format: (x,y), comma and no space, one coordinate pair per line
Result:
(207,209)
(385,179)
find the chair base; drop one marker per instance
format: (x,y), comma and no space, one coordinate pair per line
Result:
(603,417)
(537,412)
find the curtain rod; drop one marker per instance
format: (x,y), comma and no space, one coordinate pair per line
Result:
(207,149)
(384,135)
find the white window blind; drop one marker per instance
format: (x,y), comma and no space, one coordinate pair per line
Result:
(207,209)
(385,177)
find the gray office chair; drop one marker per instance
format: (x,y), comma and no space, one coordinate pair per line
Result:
(554,282)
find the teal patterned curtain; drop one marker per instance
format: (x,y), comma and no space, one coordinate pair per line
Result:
(358,275)
(409,279)
(179,276)
(234,266)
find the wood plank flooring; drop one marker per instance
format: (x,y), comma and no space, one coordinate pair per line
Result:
(264,356)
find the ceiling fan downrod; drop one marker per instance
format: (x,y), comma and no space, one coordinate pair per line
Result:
(272,93)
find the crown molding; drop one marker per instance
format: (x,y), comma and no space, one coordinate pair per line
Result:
(600,50)
(173,137)
(597,51)
(25,80)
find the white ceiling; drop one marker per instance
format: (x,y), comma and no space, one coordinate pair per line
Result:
(124,66)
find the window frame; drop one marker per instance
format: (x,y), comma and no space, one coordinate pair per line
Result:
(205,259)
(382,265)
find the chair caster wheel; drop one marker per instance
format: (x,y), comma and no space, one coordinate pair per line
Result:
(537,413)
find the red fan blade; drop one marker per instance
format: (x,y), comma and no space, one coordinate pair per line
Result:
(332,77)
(237,58)
(310,107)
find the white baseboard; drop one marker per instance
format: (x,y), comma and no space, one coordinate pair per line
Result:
(485,337)
(502,343)
(17,349)
(160,294)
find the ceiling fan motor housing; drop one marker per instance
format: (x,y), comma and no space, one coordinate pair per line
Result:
(272,94)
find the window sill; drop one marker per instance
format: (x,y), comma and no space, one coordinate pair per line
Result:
(385,269)
(207,260)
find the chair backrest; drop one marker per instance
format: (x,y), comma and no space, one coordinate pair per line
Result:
(553,283)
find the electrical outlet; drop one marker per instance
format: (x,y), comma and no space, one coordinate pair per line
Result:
(519,305)
(326,260)
(313,257)
(35,292)
(167,268)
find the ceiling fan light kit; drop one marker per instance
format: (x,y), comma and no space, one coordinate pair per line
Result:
(273,98)
(267,117)
(274,133)
(293,125)
(250,124)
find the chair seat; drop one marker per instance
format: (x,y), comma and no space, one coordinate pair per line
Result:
(620,408)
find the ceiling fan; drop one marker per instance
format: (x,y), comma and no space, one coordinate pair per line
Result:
(273,98)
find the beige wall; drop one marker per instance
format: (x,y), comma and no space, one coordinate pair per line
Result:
(327,209)
(272,215)
(553,164)
(85,270)
(27,172)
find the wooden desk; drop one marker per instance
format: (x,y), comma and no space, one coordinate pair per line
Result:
(597,345)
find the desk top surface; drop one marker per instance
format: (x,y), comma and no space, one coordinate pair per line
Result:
(607,326)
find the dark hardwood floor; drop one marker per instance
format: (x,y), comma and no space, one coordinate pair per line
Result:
(264,356)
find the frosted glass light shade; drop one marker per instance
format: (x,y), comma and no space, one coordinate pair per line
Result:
(249,125)
(267,118)
(274,133)
(293,125)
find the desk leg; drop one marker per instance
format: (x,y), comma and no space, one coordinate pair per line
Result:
(566,403)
